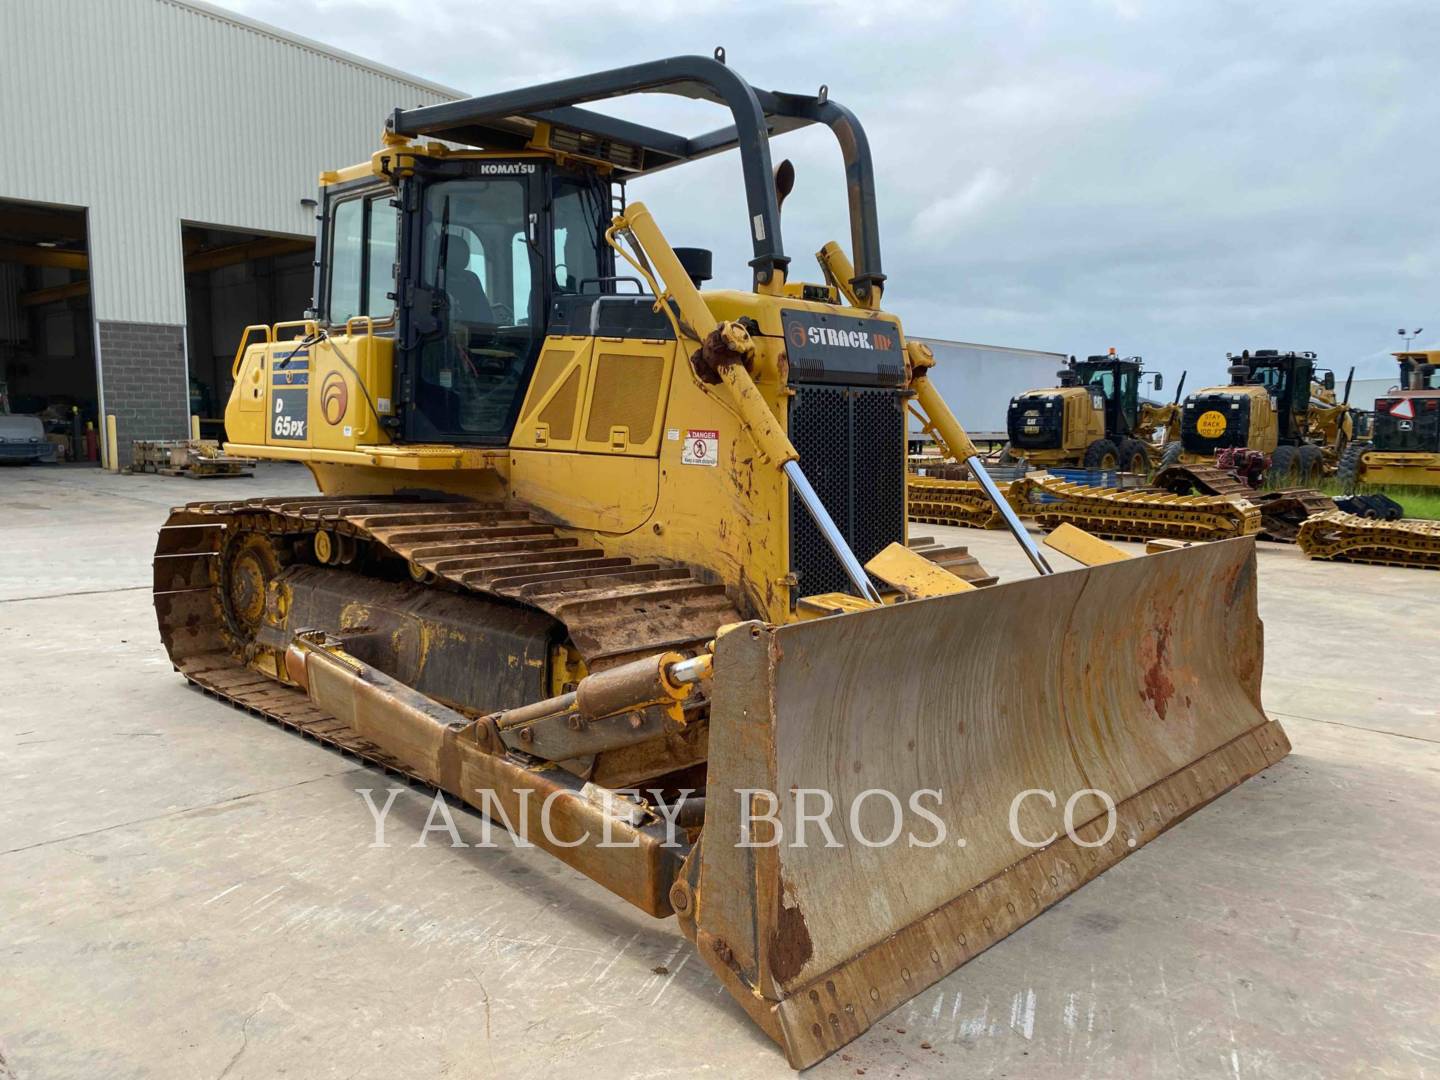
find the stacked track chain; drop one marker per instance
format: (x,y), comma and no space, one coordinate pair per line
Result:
(614,608)
(1343,537)
(1117,514)
(941,501)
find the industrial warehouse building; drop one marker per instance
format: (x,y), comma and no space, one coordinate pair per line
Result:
(160,197)
(157,195)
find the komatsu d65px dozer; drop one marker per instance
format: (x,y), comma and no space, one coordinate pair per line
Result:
(587,555)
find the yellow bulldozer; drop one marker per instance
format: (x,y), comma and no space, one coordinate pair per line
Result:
(1094,418)
(622,563)
(1279,404)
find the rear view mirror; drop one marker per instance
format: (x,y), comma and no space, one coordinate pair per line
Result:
(1329,380)
(1159,382)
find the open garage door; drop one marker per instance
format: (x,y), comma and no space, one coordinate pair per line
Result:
(232,280)
(47,338)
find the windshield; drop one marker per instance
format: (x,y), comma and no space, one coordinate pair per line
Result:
(476,260)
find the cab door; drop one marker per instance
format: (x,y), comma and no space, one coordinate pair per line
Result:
(1127,400)
(473,298)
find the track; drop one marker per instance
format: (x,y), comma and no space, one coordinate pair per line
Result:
(1112,513)
(613,608)
(1202,479)
(1349,538)
(1283,512)
(1133,515)
(945,501)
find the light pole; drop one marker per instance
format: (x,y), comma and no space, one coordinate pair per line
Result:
(1410,335)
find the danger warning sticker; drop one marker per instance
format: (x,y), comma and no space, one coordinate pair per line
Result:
(701,448)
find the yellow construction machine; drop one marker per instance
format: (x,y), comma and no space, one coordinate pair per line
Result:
(1277,404)
(623,564)
(1404,444)
(1094,418)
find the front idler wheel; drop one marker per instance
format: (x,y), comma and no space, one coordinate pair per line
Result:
(248,563)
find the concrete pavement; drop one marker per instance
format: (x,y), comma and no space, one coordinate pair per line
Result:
(186,891)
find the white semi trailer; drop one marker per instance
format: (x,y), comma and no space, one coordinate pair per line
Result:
(978,382)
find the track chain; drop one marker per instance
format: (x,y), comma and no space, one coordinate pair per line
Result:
(942,501)
(1283,512)
(1343,537)
(614,608)
(1117,514)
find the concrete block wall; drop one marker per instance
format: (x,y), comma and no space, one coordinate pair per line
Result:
(146,386)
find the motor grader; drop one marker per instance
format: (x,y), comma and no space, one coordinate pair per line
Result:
(1093,418)
(1404,444)
(1277,404)
(593,542)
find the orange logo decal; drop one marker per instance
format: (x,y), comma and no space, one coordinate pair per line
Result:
(796,333)
(334,398)
(884,341)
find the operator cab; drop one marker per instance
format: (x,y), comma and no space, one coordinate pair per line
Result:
(471,293)
(1117,382)
(1287,377)
(1407,420)
(1418,370)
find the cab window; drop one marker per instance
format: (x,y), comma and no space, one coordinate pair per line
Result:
(578,213)
(1272,378)
(361,258)
(1102,379)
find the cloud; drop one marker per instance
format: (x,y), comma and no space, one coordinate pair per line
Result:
(1177,180)
(935,223)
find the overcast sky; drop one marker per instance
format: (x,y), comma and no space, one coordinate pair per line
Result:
(1173,179)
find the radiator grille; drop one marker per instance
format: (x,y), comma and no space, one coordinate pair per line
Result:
(852,450)
(1030,411)
(1236,432)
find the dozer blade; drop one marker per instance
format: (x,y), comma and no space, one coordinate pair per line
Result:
(992,709)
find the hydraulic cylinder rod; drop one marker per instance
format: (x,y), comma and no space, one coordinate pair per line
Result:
(1012,519)
(740,388)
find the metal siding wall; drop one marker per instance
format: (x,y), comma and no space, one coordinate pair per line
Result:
(1363,392)
(151,113)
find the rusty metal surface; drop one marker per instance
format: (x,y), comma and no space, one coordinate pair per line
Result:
(466,650)
(546,806)
(1140,678)
(1346,537)
(1283,512)
(466,547)
(613,609)
(1206,479)
(393,725)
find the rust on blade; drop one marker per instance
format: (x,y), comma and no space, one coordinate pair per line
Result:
(1017,706)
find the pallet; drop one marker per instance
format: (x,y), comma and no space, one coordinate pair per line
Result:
(197,459)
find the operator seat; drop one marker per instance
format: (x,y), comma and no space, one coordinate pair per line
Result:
(468,302)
